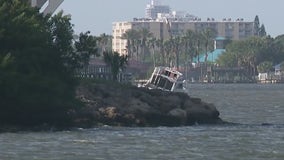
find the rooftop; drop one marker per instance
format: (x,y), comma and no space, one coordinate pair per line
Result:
(212,56)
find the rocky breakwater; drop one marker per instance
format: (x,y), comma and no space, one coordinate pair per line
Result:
(125,105)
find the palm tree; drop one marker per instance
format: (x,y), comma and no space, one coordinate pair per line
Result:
(152,45)
(145,35)
(104,42)
(176,49)
(168,47)
(116,61)
(189,41)
(131,37)
(253,48)
(160,45)
(207,36)
(137,45)
(198,47)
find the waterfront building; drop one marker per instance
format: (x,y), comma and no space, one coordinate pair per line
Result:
(161,29)
(171,23)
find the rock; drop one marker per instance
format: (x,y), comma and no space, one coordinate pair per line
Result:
(202,113)
(179,114)
(126,105)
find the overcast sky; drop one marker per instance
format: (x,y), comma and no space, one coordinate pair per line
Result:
(97,16)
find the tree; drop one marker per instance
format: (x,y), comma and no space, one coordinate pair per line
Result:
(116,62)
(131,36)
(259,30)
(176,49)
(198,47)
(85,48)
(37,84)
(282,67)
(277,49)
(265,67)
(262,31)
(253,54)
(62,38)
(145,35)
(189,42)
(104,43)
(256,26)
(152,44)
(228,59)
(160,45)
(207,38)
(168,47)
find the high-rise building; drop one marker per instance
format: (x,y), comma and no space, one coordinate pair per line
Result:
(234,30)
(154,8)
(165,25)
(47,6)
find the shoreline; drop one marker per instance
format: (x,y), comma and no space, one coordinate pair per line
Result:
(113,104)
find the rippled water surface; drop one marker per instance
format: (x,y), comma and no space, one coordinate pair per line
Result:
(259,109)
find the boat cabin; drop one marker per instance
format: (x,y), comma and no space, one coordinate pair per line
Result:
(165,78)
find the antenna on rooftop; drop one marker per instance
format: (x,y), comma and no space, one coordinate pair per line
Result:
(155,2)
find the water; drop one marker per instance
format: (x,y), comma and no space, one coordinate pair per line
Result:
(249,104)
(244,103)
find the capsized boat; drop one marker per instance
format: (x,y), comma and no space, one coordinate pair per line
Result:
(167,79)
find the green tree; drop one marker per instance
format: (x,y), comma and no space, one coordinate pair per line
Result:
(198,47)
(62,33)
(227,59)
(262,31)
(116,62)
(276,52)
(145,35)
(161,48)
(265,67)
(85,48)
(37,85)
(104,43)
(132,36)
(168,47)
(255,54)
(282,67)
(256,25)
(152,45)
(208,36)
(189,42)
(176,50)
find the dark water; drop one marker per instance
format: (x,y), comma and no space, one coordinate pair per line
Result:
(259,109)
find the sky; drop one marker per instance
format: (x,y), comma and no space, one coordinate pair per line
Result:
(98,16)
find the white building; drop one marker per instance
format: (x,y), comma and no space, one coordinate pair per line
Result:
(154,8)
(163,23)
(229,29)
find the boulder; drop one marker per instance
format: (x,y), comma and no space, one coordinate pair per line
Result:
(126,105)
(179,114)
